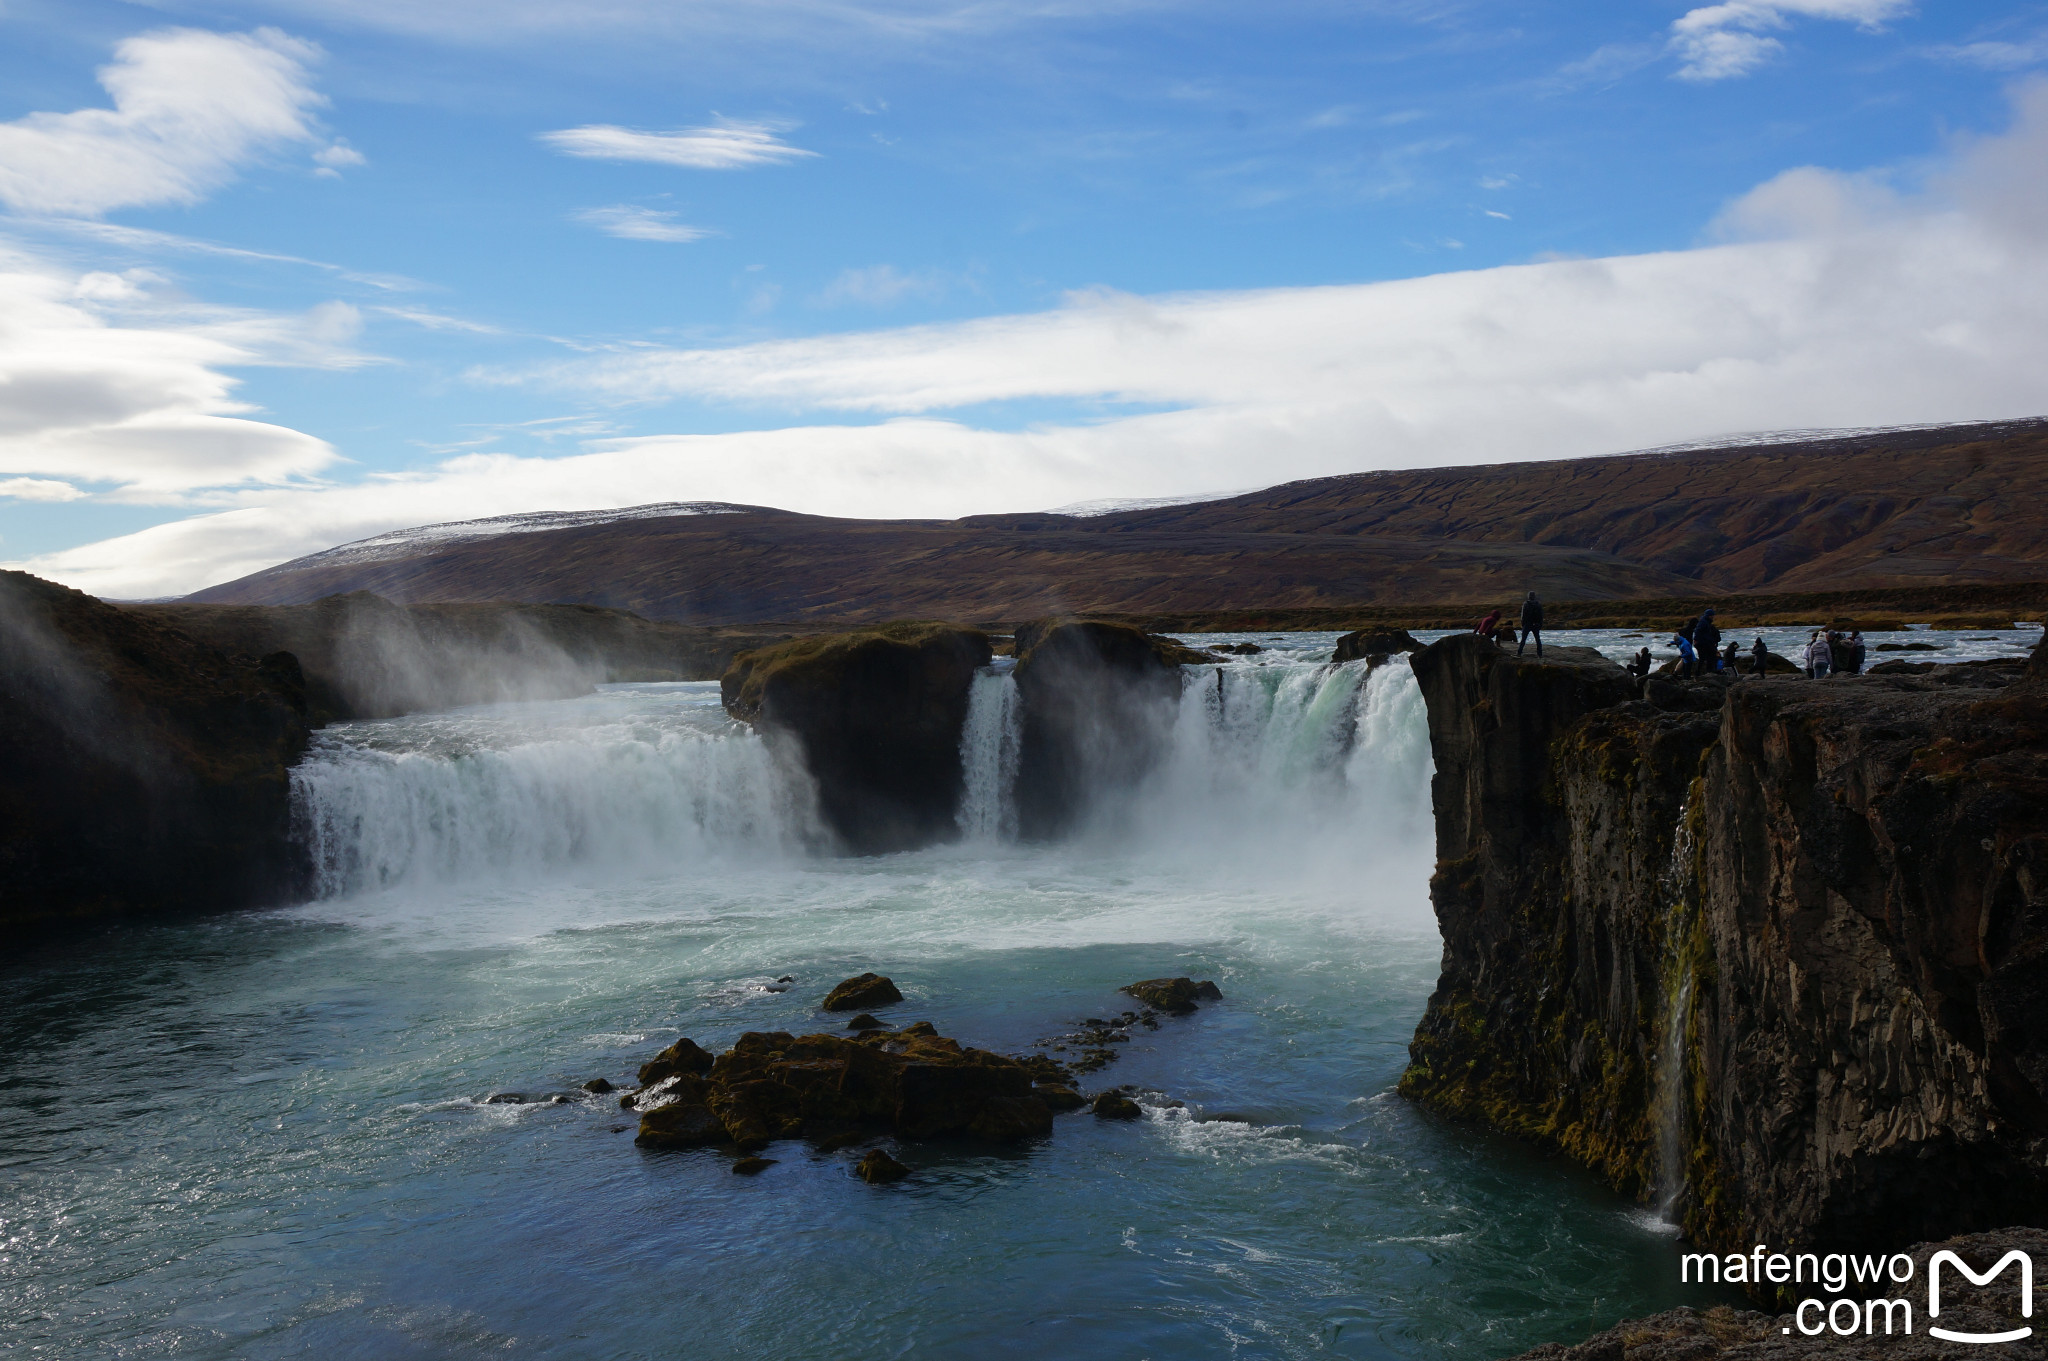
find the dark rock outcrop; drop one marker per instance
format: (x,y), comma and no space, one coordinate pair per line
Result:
(684,1056)
(365,657)
(877,1168)
(1830,899)
(861,992)
(1116,1106)
(141,772)
(1097,706)
(1174,996)
(914,1084)
(1366,644)
(1724,1334)
(877,716)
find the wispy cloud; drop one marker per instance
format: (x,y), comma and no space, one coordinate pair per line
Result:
(190,110)
(725,145)
(1997,54)
(1718,42)
(883,286)
(633,223)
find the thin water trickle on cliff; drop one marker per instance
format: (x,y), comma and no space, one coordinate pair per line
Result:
(268,1135)
(1674,1068)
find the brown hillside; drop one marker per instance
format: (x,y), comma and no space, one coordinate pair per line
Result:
(1905,508)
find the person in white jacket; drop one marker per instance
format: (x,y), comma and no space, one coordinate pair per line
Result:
(1820,657)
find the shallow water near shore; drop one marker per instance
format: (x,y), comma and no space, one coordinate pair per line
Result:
(268,1135)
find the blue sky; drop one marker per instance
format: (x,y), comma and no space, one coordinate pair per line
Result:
(335,268)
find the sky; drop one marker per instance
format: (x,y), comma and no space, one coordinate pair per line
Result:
(278,275)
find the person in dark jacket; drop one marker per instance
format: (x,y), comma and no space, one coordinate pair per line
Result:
(1639,665)
(1857,653)
(1706,639)
(1731,659)
(1758,652)
(1532,625)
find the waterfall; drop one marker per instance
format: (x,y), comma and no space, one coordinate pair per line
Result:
(1271,768)
(1671,1105)
(988,758)
(449,798)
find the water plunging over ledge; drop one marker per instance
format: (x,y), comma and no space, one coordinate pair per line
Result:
(277,1124)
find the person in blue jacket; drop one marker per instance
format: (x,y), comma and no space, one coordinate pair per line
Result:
(1688,659)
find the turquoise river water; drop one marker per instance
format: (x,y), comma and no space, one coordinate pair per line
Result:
(268,1134)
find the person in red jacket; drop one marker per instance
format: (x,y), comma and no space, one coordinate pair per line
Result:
(1487,625)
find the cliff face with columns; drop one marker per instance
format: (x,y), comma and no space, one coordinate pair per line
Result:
(1775,952)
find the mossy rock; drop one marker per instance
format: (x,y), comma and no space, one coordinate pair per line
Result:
(1174,996)
(1374,642)
(861,992)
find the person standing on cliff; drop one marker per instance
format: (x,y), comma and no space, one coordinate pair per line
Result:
(1820,657)
(1532,625)
(1857,652)
(1706,638)
(1758,652)
(1731,659)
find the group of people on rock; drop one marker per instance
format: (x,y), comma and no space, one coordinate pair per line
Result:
(1700,651)
(1830,652)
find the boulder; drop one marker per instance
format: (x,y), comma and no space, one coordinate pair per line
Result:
(752,1167)
(861,992)
(1116,1106)
(684,1056)
(875,716)
(912,1083)
(1097,703)
(1060,1097)
(597,1086)
(141,772)
(1374,642)
(865,1022)
(1174,996)
(879,1169)
(685,1122)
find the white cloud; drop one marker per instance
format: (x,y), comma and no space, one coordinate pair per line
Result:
(102,384)
(1716,42)
(1999,55)
(38,489)
(1840,302)
(882,286)
(725,145)
(331,159)
(633,223)
(190,109)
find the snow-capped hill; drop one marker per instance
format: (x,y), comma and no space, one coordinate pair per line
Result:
(400,543)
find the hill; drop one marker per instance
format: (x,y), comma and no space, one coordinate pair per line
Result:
(1948,506)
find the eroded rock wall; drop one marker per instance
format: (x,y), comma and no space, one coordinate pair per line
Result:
(141,772)
(875,716)
(1777,949)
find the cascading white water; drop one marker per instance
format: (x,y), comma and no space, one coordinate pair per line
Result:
(453,797)
(1273,766)
(989,747)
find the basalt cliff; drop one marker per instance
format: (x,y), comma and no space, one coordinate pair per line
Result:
(1772,952)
